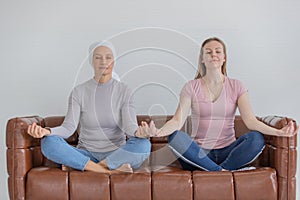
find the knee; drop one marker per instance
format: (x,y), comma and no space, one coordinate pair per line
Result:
(49,144)
(257,138)
(146,145)
(143,145)
(173,136)
(179,137)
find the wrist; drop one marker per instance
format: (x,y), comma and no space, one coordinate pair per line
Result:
(278,132)
(48,130)
(136,134)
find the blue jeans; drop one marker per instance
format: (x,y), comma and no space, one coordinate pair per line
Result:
(238,154)
(134,152)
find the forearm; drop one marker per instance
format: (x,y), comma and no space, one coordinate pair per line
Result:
(171,126)
(71,120)
(62,131)
(178,119)
(257,125)
(129,123)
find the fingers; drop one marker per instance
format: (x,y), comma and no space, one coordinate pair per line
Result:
(35,130)
(297,129)
(152,125)
(146,130)
(144,124)
(290,129)
(142,132)
(153,129)
(31,128)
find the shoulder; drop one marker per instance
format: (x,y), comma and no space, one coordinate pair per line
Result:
(83,85)
(234,82)
(82,88)
(191,88)
(87,83)
(235,86)
(121,86)
(192,83)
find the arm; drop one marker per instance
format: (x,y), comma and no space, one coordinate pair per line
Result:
(253,124)
(68,126)
(129,123)
(178,119)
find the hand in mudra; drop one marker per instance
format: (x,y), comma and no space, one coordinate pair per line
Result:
(37,131)
(289,130)
(145,130)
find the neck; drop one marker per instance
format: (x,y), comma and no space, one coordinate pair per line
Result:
(214,77)
(103,78)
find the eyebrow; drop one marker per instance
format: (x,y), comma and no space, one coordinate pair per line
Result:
(211,49)
(108,54)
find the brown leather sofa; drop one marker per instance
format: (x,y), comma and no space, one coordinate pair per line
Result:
(32,176)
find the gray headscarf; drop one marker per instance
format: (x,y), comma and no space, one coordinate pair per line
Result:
(105,44)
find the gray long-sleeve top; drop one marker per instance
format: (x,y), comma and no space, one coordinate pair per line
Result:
(105,112)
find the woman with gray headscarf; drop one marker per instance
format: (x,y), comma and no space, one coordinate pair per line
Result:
(104,108)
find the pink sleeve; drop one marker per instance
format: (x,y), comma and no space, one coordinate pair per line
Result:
(186,90)
(240,88)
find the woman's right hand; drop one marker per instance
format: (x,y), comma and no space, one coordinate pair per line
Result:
(37,131)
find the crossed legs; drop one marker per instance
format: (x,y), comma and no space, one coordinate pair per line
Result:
(124,159)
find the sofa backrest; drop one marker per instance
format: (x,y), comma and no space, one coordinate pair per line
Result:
(159,120)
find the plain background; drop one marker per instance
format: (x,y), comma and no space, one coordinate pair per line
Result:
(43,48)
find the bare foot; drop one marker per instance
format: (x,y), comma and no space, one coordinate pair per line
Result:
(101,167)
(125,168)
(96,167)
(66,168)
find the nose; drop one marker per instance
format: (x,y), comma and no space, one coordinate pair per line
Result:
(103,61)
(213,53)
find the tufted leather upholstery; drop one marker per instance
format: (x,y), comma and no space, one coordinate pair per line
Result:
(32,176)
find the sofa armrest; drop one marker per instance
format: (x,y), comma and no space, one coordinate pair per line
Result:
(282,154)
(23,153)
(281,142)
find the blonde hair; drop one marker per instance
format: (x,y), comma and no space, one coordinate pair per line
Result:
(201,67)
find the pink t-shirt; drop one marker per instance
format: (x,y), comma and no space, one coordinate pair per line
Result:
(213,122)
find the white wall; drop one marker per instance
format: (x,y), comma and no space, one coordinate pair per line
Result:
(43,48)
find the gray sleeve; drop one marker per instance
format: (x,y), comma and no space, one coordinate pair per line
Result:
(128,114)
(71,121)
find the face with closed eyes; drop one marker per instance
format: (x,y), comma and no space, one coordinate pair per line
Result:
(213,56)
(103,61)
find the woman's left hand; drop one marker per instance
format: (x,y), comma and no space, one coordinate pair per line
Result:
(289,130)
(145,130)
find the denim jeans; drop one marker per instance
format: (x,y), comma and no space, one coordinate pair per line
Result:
(134,152)
(238,154)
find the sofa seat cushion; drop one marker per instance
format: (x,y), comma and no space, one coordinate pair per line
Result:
(47,182)
(89,185)
(213,185)
(172,183)
(136,186)
(256,184)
